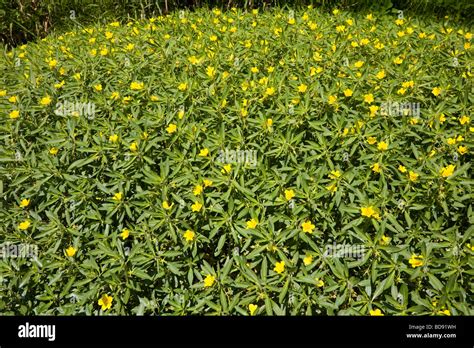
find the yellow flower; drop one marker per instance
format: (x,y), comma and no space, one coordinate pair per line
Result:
(52,63)
(348,92)
(382,146)
(196,206)
(24,225)
(415,260)
(71,251)
(462,149)
(251,224)
(398,61)
(371,140)
(189,235)
(115,95)
(13,99)
(106,302)
(24,203)
(180,114)
(376,312)
(207,182)
(136,86)
(302,88)
(45,100)
(368,98)
(118,196)
(319,283)
(279,267)
(211,71)
(226,169)
(269,122)
(113,138)
(252,308)
(401,91)
(204,152)
(358,64)
(98,87)
(3,92)
(376,167)
(193,60)
(307,260)
(209,280)
(447,171)
(289,194)
(125,233)
(14,114)
(451,141)
(308,227)
(335,174)
(413,176)
(381,74)
(183,86)
(332,188)
(385,240)
(108,35)
(402,168)
(436,91)
(53,151)
(197,190)
(464,119)
(171,128)
(269,91)
(166,205)
(332,99)
(442,118)
(367,211)
(445,312)
(133,146)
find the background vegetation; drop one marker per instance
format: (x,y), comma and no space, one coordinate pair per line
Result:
(23,20)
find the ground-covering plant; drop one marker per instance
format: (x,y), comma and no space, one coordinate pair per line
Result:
(239,162)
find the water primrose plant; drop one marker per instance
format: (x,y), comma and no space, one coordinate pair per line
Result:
(132,212)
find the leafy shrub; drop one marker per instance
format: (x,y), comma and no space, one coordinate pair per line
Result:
(211,163)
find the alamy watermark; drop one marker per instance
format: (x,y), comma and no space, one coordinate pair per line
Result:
(246,157)
(68,108)
(400,109)
(344,251)
(9,250)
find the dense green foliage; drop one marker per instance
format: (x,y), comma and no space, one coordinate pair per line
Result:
(136,200)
